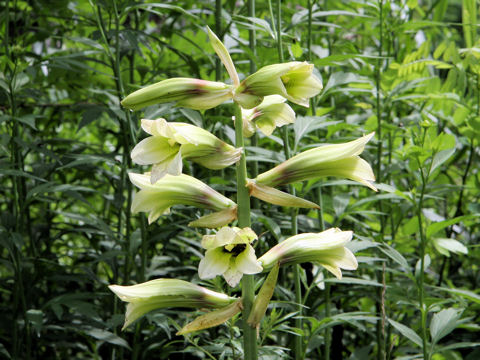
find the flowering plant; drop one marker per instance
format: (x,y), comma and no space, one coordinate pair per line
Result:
(260,104)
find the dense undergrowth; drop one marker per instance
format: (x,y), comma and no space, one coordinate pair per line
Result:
(408,70)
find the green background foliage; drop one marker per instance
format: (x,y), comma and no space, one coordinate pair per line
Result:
(408,70)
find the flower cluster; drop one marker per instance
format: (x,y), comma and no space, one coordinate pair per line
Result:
(229,251)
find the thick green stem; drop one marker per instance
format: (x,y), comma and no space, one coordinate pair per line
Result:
(243,213)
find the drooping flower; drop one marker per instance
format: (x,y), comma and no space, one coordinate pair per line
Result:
(171,190)
(339,160)
(294,81)
(190,93)
(326,248)
(170,142)
(162,293)
(230,254)
(271,113)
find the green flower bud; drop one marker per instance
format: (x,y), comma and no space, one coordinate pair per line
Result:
(224,56)
(293,80)
(190,93)
(326,248)
(339,160)
(173,141)
(262,300)
(271,113)
(213,318)
(277,197)
(162,293)
(156,199)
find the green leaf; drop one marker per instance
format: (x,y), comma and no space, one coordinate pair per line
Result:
(297,50)
(434,228)
(36,318)
(441,157)
(443,323)
(107,336)
(469,295)
(407,332)
(394,255)
(445,246)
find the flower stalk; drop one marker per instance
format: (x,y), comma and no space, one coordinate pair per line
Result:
(243,202)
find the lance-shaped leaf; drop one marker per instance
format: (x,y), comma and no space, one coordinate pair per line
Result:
(213,318)
(229,253)
(326,248)
(190,93)
(170,142)
(162,293)
(262,300)
(156,199)
(340,160)
(294,81)
(277,197)
(271,113)
(224,56)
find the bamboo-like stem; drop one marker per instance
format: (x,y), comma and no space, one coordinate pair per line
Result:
(252,44)
(243,213)
(421,280)
(380,328)
(423,244)
(127,139)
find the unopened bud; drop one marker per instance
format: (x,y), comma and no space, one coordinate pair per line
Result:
(162,293)
(293,80)
(326,248)
(340,160)
(156,199)
(271,113)
(186,92)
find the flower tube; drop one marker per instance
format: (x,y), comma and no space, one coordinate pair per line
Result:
(190,93)
(171,190)
(294,81)
(326,248)
(162,293)
(339,160)
(271,113)
(170,142)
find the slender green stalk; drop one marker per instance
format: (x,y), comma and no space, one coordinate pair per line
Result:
(380,329)
(423,244)
(127,138)
(252,44)
(20,212)
(218,31)
(421,280)
(243,214)
(294,223)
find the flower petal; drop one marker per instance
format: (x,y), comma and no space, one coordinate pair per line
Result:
(246,261)
(172,166)
(153,149)
(232,277)
(214,263)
